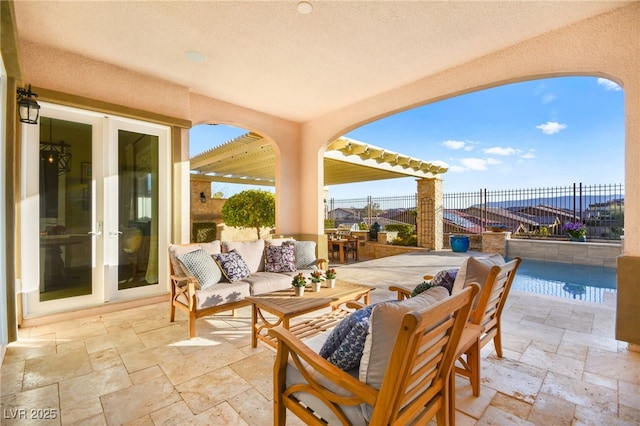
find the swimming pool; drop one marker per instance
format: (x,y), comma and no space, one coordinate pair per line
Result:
(580,282)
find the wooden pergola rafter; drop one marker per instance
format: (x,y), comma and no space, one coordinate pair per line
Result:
(250,159)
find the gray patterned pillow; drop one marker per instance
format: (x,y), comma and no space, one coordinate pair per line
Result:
(279,258)
(345,344)
(305,254)
(232,265)
(201,265)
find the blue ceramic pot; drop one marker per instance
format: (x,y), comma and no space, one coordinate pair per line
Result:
(459,243)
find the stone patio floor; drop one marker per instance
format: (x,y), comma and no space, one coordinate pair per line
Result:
(561,365)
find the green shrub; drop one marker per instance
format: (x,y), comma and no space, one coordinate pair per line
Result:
(250,209)
(403,230)
(362,226)
(329,223)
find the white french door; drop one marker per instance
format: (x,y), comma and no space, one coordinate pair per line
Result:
(94,209)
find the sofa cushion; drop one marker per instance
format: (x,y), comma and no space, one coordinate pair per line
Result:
(232,265)
(252,253)
(279,258)
(384,324)
(266,282)
(174,251)
(212,247)
(475,269)
(201,265)
(345,344)
(305,253)
(221,294)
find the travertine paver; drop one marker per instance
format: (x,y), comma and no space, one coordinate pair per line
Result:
(561,365)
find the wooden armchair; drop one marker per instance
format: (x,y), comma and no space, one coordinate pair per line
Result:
(486,313)
(416,380)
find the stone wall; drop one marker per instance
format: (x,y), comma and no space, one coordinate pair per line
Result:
(598,254)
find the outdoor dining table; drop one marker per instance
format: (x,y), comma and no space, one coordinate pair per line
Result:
(341,244)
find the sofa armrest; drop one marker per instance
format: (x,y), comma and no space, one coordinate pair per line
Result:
(289,346)
(322,264)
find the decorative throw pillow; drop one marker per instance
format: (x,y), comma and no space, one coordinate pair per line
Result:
(201,265)
(344,346)
(232,265)
(280,258)
(305,254)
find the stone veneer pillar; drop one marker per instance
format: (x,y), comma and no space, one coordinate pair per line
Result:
(430,209)
(495,242)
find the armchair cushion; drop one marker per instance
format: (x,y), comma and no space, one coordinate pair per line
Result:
(201,265)
(384,323)
(475,269)
(280,258)
(232,265)
(345,344)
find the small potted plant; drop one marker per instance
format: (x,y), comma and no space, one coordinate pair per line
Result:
(330,275)
(316,280)
(298,283)
(576,231)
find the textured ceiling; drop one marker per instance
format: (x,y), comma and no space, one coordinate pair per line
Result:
(267,56)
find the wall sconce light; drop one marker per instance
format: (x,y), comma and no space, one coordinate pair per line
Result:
(203,197)
(28,108)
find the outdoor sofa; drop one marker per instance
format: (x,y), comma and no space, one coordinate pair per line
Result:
(214,277)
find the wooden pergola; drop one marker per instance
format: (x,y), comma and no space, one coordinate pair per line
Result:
(250,159)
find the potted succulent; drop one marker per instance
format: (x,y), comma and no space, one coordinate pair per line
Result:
(330,275)
(298,283)
(576,231)
(316,280)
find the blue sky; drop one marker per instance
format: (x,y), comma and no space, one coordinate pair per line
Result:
(541,133)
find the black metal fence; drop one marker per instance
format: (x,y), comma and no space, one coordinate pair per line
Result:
(539,212)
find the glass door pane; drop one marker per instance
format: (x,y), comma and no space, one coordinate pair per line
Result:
(65,152)
(137,209)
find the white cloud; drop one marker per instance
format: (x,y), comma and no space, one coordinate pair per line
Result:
(451,144)
(549,97)
(457,169)
(477,164)
(551,127)
(608,84)
(529,154)
(493,161)
(496,150)
(440,163)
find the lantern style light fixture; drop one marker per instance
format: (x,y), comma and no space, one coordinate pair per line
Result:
(28,108)
(203,197)
(56,152)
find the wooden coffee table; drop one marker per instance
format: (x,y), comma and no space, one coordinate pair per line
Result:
(285,306)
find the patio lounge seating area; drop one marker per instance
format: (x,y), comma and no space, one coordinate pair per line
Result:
(561,363)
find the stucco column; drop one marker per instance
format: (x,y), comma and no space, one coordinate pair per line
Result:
(628,271)
(429,219)
(300,192)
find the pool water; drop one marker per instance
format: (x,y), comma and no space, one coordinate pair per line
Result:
(579,282)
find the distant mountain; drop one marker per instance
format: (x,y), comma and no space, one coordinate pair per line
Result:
(563,202)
